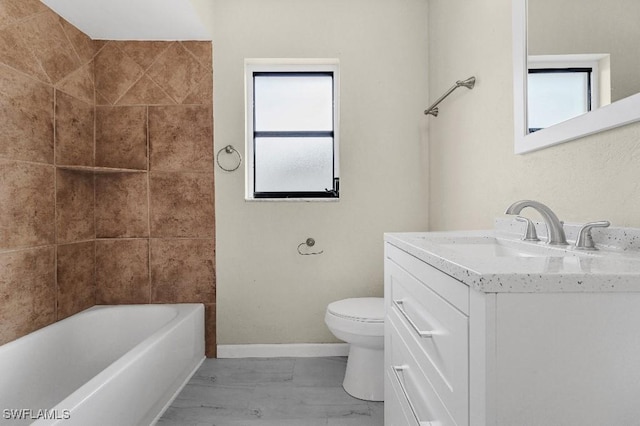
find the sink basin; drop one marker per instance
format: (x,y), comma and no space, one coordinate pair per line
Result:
(496,247)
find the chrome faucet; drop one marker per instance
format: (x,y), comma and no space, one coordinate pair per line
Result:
(584,241)
(555,232)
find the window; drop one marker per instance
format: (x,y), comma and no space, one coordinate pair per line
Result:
(557,94)
(561,87)
(292,130)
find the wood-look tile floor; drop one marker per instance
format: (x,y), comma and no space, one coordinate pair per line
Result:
(270,392)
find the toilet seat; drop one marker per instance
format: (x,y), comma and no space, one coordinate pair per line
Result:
(361,309)
(359,316)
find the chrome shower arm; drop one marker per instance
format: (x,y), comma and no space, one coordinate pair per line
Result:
(468,83)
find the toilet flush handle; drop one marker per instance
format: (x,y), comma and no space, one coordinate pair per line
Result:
(399,304)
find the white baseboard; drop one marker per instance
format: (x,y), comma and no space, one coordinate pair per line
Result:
(300,350)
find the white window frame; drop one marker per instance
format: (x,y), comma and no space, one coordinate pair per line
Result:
(254,65)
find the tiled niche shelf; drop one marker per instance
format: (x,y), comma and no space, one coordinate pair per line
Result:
(95,169)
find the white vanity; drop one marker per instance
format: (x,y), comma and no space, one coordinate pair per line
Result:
(485,329)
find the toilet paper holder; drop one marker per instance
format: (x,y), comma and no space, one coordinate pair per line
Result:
(309,242)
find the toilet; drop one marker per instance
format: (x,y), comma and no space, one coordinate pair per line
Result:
(360,322)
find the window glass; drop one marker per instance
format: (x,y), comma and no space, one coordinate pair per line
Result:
(555,97)
(293,103)
(293,164)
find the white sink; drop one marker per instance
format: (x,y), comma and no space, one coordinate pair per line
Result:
(474,246)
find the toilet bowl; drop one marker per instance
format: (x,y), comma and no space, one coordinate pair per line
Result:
(360,322)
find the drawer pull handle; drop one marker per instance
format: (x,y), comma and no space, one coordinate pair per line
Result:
(396,372)
(400,305)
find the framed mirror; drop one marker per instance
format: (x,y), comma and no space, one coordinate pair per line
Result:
(553,39)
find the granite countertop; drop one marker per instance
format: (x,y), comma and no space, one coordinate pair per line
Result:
(613,268)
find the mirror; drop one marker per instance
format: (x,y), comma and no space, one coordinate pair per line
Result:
(552,35)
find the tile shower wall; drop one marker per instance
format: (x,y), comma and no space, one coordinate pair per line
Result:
(46,215)
(155,230)
(71,239)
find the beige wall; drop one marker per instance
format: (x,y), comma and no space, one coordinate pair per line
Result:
(474,174)
(585,26)
(266,292)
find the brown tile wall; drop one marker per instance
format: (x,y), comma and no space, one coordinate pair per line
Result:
(155,230)
(68,239)
(47,112)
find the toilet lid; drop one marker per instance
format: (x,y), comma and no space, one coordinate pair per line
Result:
(364,309)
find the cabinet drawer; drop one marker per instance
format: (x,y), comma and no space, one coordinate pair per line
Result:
(410,400)
(436,333)
(452,290)
(396,409)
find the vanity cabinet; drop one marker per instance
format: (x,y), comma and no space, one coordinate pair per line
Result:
(456,355)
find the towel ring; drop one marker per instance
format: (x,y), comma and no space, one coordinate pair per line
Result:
(229,149)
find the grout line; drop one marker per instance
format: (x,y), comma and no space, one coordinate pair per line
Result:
(55,126)
(133,239)
(25,248)
(206,105)
(34,163)
(55,206)
(29,47)
(144,72)
(97,52)
(153,80)
(95,121)
(175,101)
(95,228)
(198,59)
(149,203)
(162,52)
(184,171)
(95,232)
(95,274)
(73,46)
(115,102)
(18,21)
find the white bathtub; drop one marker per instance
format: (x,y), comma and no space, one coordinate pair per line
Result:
(108,365)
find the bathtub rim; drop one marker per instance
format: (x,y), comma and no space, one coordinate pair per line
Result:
(106,375)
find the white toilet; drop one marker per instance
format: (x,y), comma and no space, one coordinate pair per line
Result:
(360,322)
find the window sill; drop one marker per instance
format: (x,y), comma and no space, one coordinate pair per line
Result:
(287,200)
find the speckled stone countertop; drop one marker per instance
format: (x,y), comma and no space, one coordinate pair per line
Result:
(613,268)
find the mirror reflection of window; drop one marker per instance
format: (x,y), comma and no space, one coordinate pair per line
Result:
(557,95)
(561,87)
(605,30)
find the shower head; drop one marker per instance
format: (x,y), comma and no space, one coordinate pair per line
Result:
(468,83)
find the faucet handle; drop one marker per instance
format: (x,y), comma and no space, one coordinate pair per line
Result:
(584,241)
(530,233)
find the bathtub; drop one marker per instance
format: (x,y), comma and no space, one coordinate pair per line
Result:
(108,365)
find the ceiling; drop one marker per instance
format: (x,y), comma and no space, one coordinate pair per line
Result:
(133,19)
